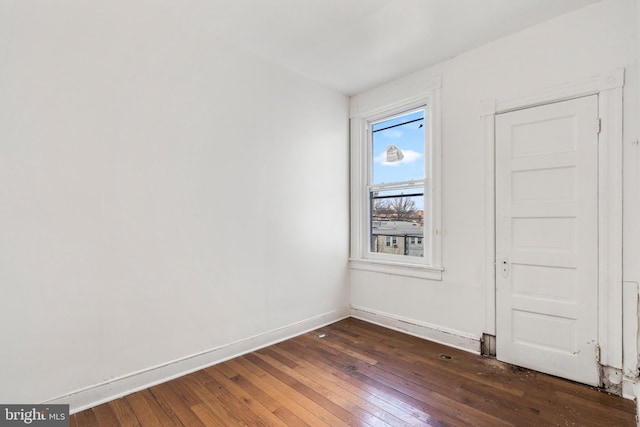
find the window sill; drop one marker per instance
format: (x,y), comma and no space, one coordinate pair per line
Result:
(397,269)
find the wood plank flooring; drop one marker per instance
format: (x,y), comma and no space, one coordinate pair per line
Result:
(361,374)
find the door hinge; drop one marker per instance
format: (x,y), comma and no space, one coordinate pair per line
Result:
(598,353)
(598,125)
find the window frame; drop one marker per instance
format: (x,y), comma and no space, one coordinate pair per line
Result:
(369,108)
(414,184)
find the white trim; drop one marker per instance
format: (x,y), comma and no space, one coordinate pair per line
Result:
(631,391)
(115,388)
(608,87)
(490,224)
(445,336)
(393,96)
(358,175)
(606,81)
(436,177)
(610,227)
(398,269)
(630,330)
(386,100)
(487,107)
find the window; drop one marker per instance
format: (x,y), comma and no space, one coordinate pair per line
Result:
(396,183)
(395,206)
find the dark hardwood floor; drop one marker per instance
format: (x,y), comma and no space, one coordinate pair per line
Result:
(361,374)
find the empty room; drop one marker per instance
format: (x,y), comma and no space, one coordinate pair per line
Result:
(322,213)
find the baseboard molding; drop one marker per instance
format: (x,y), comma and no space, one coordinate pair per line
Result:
(97,394)
(631,391)
(637,397)
(448,337)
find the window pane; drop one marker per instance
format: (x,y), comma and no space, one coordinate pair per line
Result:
(397,222)
(398,148)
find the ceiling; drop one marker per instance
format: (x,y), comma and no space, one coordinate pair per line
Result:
(353,45)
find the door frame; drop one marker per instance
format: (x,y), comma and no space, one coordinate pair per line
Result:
(608,86)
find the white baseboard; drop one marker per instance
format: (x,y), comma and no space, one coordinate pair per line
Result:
(630,388)
(97,394)
(631,391)
(448,337)
(637,396)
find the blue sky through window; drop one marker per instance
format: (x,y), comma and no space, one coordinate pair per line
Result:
(407,133)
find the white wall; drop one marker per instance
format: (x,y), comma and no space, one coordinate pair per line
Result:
(162,194)
(572,47)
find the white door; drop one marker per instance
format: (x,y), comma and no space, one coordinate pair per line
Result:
(547,238)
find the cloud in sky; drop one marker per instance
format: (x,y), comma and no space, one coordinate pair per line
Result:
(410,156)
(393,133)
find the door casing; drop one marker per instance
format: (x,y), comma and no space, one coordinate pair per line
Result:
(608,86)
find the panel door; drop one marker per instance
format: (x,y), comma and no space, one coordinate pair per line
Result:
(547,238)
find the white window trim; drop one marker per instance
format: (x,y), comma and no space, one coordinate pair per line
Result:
(378,103)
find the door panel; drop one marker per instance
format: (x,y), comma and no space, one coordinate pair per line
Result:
(547,238)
